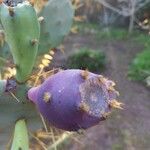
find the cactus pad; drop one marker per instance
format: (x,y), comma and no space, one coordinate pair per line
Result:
(22,31)
(12,109)
(56,23)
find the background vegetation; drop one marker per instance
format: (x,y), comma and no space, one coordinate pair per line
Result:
(86,58)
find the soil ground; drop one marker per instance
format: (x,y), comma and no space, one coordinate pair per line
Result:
(127,129)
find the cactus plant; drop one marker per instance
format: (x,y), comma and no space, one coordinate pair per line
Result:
(20,141)
(94,94)
(24,41)
(56,23)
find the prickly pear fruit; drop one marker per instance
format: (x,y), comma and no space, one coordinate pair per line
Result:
(75,99)
(22,31)
(56,23)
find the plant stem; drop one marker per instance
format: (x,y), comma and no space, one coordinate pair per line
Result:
(20,139)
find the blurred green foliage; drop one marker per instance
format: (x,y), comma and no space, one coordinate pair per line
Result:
(141,38)
(117,146)
(101,33)
(87,58)
(140,67)
(113,34)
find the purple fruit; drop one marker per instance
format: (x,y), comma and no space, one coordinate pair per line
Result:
(75,99)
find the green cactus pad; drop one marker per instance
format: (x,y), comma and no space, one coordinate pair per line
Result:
(12,109)
(22,31)
(21,139)
(4,47)
(56,23)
